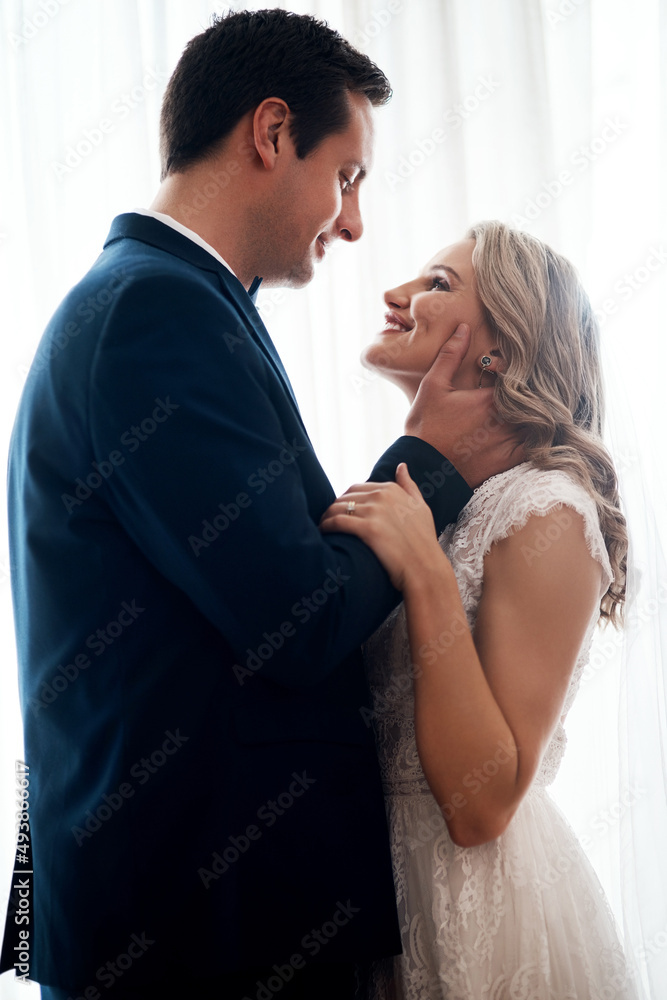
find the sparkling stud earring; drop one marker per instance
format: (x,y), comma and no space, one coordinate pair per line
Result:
(484,362)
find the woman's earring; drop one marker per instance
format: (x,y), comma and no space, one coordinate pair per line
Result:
(484,362)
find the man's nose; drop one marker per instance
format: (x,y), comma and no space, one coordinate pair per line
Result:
(348,224)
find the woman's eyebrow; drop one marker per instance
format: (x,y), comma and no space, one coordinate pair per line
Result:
(450,270)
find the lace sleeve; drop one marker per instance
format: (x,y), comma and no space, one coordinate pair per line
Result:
(502,506)
(541,492)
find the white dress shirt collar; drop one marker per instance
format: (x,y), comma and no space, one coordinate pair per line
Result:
(184,231)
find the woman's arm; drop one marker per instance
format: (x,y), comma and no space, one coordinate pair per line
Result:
(485,706)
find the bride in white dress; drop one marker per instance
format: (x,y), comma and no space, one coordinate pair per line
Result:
(473,675)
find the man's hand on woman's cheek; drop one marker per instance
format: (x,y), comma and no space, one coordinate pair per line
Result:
(462,423)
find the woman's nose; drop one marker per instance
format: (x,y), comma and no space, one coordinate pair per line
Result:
(397,298)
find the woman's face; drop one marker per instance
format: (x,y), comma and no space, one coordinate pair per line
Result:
(423,314)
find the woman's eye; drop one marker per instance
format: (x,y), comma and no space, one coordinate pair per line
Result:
(346,184)
(441,284)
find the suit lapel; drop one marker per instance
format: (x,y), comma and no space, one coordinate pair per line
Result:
(155,233)
(261,335)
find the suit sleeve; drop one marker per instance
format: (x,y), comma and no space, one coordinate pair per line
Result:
(209,491)
(442,487)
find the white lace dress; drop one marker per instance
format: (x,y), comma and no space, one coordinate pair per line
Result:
(523,917)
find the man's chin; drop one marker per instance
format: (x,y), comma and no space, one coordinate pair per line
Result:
(300,275)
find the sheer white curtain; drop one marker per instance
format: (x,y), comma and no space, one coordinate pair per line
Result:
(546,113)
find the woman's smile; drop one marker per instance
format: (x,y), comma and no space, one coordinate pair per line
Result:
(396,324)
(422,315)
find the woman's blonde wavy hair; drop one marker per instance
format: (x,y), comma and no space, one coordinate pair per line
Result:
(551,388)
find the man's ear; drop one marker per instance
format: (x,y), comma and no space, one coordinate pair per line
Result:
(270,130)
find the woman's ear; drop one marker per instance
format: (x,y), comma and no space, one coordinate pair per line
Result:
(491,363)
(498,363)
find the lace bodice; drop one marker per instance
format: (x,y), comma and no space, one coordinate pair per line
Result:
(498,508)
(521,917)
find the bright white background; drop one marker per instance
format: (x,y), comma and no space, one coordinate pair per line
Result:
(551,116)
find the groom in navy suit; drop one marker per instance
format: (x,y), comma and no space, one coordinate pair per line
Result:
(205,809)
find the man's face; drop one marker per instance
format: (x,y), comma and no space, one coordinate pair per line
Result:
(316,200)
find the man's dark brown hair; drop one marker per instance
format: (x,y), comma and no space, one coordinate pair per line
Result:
(247,56)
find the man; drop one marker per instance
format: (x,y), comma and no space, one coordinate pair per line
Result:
(205,806)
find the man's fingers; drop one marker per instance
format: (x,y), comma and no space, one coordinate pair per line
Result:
(450,355)
(458,343)
(461,334)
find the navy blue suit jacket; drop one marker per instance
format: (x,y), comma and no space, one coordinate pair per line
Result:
(204,790)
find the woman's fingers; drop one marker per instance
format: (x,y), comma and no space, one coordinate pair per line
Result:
(362,495)
(342,523)
(364,488)
(348,505)
(406,482)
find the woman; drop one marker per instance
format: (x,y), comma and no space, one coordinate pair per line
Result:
(473,675)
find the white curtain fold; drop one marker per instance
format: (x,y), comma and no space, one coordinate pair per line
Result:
(549,114)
